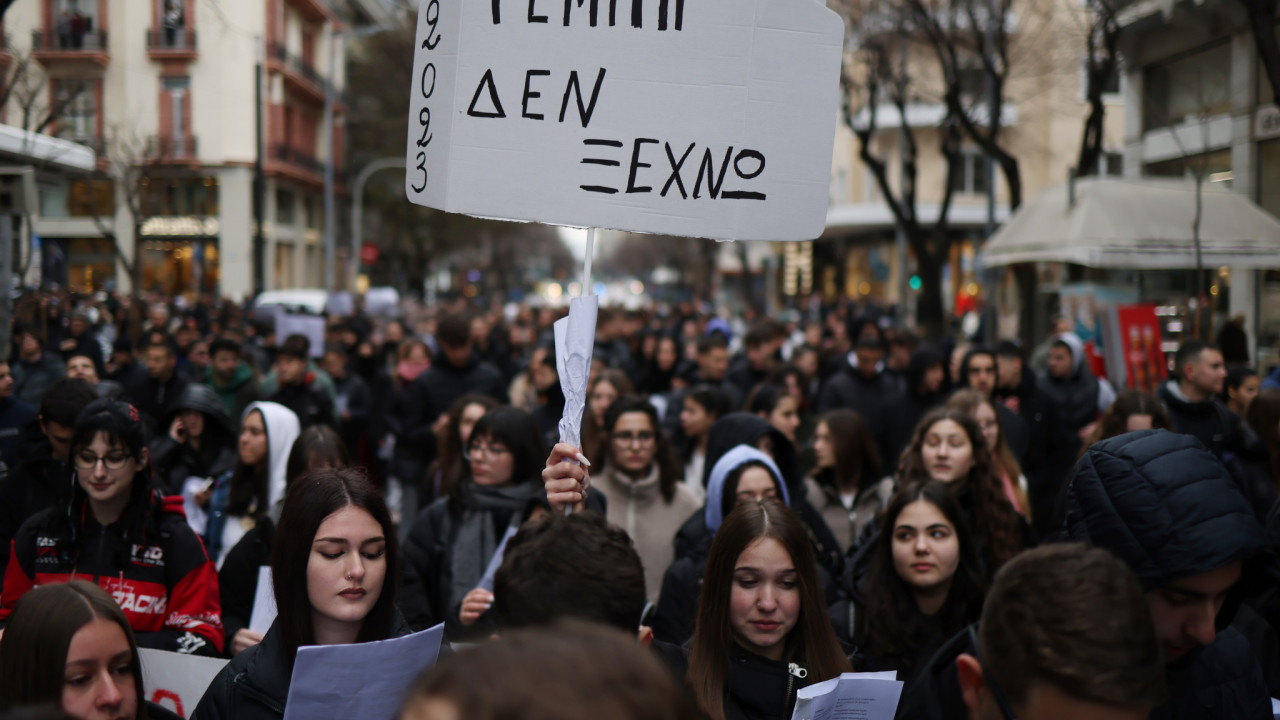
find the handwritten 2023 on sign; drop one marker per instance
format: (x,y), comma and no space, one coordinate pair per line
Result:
(708,118)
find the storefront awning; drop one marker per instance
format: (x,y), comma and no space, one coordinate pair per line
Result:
(1139,223)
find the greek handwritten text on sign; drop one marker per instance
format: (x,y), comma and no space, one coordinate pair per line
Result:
(710,118)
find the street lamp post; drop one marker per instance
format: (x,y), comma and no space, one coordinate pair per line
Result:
(357,210)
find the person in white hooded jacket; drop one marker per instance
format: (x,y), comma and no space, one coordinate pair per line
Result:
(241,497)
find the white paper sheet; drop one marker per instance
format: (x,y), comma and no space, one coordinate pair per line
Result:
(575,342)
(311,327)
(366,680)
(264,602)
(176,681)
(852,696)
(495,562)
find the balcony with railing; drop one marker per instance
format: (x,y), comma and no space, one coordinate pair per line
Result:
(299,74)
(181,149)
(71,45)
(300,164)
(171,43)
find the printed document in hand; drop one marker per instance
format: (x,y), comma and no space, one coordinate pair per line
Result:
(365,680)
(852,696)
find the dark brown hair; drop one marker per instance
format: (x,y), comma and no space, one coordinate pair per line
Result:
(1076,618)
(451,463)
(669,472)
(889,626)
(578,566)
(1115,421)
(593,438)
(1002,457)
(571,671)
(1263,417)
(857,457)
(812,642)
(997,522)
(33,656)
(315,496)
(317,446)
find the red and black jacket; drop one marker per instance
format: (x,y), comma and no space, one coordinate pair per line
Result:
(161,576)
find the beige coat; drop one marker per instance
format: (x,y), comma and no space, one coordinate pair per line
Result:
(847,525)
(638,508)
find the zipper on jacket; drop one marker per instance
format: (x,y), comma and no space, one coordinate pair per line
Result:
(793,671)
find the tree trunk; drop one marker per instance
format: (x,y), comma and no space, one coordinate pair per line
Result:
(930,315)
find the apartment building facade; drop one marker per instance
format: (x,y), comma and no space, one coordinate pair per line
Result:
(1041,124)
(167,93)
(1198,101)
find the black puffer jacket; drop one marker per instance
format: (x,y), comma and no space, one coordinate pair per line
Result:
(255,684)
(174,462)
(1169,509)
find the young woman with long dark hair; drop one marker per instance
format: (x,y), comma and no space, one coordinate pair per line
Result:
(114,528)
(846,485)
(334,567)
(450,465)
(925,584)
(453,539)
(70,646)
(762,631)
(1007,469)
(242,498)
(319,446)
(949,447)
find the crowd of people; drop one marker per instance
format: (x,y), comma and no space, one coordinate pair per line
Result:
(757,505)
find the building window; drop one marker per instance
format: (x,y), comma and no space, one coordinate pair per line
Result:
(969,174)
(180,196)
(285,212)
(1111,88)
(77,24)
(175,116)
(1194,87)
(76,107)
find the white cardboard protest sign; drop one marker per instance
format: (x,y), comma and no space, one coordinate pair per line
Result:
(177,681)
(708,118)
(310,326)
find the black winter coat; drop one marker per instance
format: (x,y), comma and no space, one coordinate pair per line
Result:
(760,689)
(308,401)
(255,684)
(1169,510)
(1210,422)
(238,577)
(34,484)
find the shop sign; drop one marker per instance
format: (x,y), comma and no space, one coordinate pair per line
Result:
(180,226)
(1266,122)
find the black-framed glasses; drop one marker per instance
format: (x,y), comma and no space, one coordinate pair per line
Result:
(490,451)
(1001,701)
(644,437)
(89,461)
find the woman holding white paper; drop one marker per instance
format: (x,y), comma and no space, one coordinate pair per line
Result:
(452,541)
(334,564)
(762,631)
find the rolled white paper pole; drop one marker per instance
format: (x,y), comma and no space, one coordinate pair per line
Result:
(587,287)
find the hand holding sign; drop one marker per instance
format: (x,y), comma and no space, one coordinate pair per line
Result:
(712,118)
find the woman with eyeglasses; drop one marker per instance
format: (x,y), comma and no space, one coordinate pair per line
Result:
(641,477)
(453,539)
(113,528)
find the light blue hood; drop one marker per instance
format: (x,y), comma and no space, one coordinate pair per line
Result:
(736,457)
